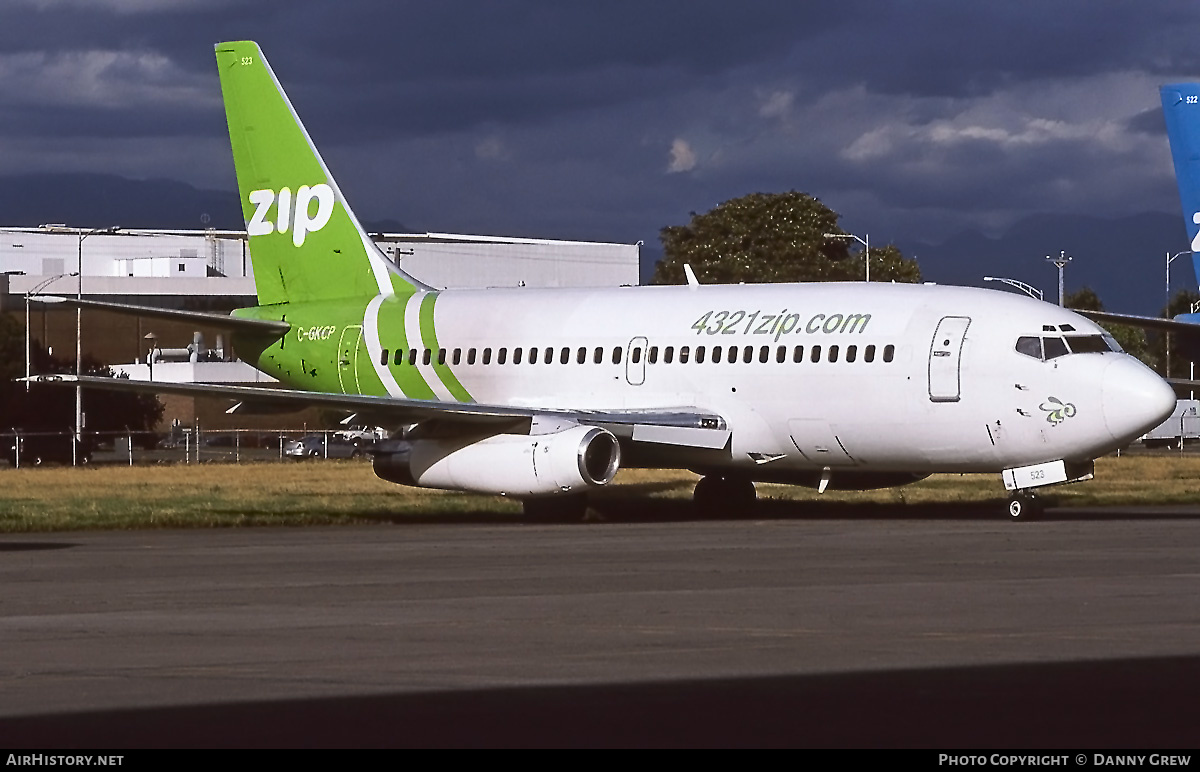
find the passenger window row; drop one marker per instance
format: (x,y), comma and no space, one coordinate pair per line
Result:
(653,355)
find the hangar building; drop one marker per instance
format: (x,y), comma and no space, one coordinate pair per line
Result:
(210,270)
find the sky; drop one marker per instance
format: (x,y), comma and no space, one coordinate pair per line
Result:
(610,120)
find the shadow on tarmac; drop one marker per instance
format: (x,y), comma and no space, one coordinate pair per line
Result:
(636,504)
(34,546)
(1127,703)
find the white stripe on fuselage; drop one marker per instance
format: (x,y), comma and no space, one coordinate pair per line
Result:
(375,346)
(412,331)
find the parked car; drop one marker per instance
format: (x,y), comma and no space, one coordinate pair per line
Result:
(315,446)
(361,435)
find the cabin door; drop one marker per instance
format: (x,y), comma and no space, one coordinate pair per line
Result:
(348,358)
(945,359)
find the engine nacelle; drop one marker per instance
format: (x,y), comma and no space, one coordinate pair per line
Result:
(565,461)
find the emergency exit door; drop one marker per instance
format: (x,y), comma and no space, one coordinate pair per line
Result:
(945,359)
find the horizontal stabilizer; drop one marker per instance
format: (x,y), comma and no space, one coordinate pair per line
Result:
(1184,383)
(1144,322)
(224,321)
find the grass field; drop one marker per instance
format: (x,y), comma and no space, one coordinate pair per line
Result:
(346,492)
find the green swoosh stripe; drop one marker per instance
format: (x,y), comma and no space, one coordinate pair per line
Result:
(410,380)
(429,337)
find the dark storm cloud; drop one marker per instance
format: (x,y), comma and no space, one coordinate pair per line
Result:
(611,120)
(957,49)
(66,122)
(1148,122)
(451,65)
(387,69)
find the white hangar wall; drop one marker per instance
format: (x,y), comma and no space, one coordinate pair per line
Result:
(173,267)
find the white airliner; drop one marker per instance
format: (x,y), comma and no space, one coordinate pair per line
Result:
(544,394)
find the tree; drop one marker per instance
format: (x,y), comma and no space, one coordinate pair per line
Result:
(12,358)
(772,237)
(1132,339)
(47,409)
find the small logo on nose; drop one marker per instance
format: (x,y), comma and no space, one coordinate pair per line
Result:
(1057,411)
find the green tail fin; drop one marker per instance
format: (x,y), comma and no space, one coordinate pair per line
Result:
(305,243)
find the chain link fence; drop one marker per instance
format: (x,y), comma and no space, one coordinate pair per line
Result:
(180,446)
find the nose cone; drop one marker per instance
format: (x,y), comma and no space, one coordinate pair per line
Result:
(1135,399)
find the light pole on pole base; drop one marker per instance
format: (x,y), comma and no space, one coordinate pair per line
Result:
(1167,336)
(28,336)
(1060,263)
(150,356)
(78,434)
(1032,292)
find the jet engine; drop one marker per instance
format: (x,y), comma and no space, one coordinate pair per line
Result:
(565,461)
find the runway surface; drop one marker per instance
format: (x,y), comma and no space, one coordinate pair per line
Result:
(948,629)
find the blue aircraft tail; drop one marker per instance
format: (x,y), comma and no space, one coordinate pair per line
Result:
(1181,109)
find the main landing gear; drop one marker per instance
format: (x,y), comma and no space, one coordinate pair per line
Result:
(566,508)
(1024,506)
(724,496)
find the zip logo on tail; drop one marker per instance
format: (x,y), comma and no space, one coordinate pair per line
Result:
(302,219)
(305,243)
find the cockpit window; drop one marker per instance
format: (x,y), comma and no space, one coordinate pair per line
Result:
(1054,347)
(1030,346)
(1087,344)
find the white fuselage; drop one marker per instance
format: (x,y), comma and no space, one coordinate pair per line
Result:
(874,387)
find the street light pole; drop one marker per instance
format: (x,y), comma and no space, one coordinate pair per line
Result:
(1060,262)
(1171,259)
(1167,336)
(1192,365)
(1032,292)
(153,339)
(28,337)
(866,247)
(79,344)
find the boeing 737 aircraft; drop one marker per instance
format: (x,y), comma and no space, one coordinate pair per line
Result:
(542,394)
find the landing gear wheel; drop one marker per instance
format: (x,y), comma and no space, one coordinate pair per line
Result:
(742,497)
(724,496)
(1024,506)
(557,508)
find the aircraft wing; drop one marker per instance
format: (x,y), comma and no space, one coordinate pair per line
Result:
(223,321)
(683,426)
(1184,383)
(1144,322)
